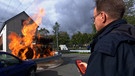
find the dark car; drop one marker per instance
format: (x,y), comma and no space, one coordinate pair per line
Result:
(11,65)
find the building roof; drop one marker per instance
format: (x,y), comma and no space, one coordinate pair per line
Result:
(2,24)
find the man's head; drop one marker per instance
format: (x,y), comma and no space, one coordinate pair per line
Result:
(107,11)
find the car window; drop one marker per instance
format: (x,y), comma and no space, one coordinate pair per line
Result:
(8,60)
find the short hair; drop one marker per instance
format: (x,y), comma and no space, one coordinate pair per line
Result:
(114,8)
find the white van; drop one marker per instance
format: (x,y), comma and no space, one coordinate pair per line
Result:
(63,47)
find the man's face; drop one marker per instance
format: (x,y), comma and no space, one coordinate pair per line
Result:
(98,20)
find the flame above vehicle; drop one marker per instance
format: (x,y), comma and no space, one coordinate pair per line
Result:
(24,46)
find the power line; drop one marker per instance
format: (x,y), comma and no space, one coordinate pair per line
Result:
(19,5)
(6,10)
(8,6)
(29,6)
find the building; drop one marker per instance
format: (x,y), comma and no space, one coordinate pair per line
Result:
(13,24)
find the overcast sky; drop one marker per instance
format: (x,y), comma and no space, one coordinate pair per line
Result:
(72,15)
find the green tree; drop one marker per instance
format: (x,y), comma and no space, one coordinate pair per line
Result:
(43,31)
(84,38)
(93,29)
(130,11)
(56,28)
(56,31)
(78,39)
(64,38)
(130,19)
(130,7)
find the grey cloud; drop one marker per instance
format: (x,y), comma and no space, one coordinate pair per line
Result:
(75,15)
(9,9)
(72,15)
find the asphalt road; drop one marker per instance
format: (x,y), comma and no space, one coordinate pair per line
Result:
(67,68)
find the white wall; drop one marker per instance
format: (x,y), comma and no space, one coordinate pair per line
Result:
(3,32)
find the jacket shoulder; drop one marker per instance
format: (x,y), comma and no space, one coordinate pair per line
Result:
(108,44)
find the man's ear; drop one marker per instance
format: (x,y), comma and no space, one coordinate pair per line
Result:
(103,17)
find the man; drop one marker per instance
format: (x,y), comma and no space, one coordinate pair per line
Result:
(113,47)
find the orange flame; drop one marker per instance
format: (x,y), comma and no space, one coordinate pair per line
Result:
(23,46)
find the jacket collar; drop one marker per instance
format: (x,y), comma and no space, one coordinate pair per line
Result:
(109,28)
(105,31)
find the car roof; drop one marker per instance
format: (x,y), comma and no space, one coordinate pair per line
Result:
(9,54)
(4,52)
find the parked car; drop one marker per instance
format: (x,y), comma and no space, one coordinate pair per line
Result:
(11,65)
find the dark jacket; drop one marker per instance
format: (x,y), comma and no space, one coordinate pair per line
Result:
(113,51)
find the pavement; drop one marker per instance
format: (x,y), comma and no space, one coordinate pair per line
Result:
(65,66)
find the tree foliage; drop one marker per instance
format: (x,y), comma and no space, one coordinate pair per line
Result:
(130,19)
(130,11)
(56,32)
(64,38)
(43,31)
(130,7)
(56,28)
(79,39)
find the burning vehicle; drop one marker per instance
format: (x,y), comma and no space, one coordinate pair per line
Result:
(40,47)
